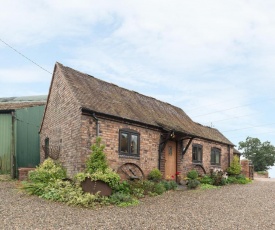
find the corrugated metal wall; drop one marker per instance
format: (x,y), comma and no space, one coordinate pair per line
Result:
(5,143)
(28,121)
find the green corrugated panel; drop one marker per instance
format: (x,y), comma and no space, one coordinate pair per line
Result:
(5,143)
(27,138)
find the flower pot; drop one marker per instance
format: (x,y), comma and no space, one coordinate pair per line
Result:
(94,187)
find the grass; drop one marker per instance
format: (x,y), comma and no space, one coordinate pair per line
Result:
(208,186)
(5,177)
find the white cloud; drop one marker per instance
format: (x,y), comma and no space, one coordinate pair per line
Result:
(211,55)
(23,75)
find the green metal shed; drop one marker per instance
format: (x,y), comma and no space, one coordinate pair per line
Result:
(20,120)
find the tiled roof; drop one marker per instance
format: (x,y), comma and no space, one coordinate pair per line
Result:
(12,103)
(236,151)
(107,98)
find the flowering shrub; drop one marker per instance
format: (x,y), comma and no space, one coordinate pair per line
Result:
(218,177)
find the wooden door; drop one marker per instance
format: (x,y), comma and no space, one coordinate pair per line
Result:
(170,160)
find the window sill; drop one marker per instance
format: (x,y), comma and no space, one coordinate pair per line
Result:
(197,163)
(128,156)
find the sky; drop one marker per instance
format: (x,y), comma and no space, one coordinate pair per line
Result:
(214,59)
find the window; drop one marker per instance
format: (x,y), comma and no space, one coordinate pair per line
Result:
(215,156)
(197,154)
(128,142)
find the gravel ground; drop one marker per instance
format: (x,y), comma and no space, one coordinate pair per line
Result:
(249,206)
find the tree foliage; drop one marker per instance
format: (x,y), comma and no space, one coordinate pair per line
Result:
(261,154)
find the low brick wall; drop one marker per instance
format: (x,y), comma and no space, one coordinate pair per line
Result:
(23,173)
(257,175)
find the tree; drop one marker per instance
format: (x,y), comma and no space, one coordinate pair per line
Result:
(97,160)
(235,167)
(262,155)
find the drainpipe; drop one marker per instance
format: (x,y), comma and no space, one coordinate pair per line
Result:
(97,125)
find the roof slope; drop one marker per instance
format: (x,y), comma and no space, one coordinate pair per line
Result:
(236,151)
(103,97)
(11,103)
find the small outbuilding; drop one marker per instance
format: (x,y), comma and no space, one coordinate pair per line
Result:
(140,132)
(20,120)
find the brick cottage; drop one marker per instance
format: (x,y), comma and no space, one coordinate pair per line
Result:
(140,132)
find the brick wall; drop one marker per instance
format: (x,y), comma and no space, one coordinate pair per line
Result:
(109,132)
(62,123)
(186,164)
(247,169)
(23,173)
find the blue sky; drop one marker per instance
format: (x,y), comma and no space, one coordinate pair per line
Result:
(214,59)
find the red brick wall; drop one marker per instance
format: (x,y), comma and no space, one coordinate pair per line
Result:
(247,169)
(62,123)
(186,163)
(23,173)
(109,132)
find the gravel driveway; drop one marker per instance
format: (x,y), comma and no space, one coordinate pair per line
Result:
(249,206)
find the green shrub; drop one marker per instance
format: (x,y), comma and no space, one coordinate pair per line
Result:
(239,179)
(206,180)
(170,185)
(235,167)
(193,183)
(122,199)
(218,178)
(232,180)
(173,185)
(145,185)
(193,175)
(155,175)
(262,172)
(208,186)
(123,187)
(48,170)
(97,167)
(148,186)
(97,160)
(34,188)
(240,176)
(243,181)
(138,192)
(140,188)
(159,188)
